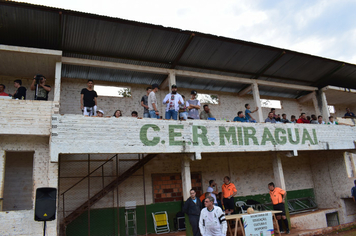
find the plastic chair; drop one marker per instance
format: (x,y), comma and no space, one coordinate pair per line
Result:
(243,206)
(211,118)
(160,220)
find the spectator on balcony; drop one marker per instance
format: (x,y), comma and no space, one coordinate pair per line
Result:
(152,102)
(42,89)
(2,90)
(303,119)
(270,118)
(248,113)
(172,101)
(348,113)
(88,101)
(100,113)
(134,114)
(293,119)
(331,121)
(284,119)
(275,117)
(117,113)
(144,103)
(320,120)
(183,110)
(205,114)
(193,106)
(314,120)
(20,92)
(240,117)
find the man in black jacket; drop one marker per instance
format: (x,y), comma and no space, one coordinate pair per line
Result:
(192,207)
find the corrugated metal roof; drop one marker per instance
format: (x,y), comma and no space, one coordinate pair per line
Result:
(90,36)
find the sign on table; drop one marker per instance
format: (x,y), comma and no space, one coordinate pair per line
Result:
(260,224)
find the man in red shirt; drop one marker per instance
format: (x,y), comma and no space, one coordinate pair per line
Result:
(303,119)
(2,89)
(278,197)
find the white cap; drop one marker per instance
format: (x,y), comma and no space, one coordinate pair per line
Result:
(101,111)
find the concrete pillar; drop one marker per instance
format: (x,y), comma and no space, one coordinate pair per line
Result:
(278,172)
(186,178)
(171,80)
(256,98)
(316,106)
(57,82)
(2,176)
(324,107)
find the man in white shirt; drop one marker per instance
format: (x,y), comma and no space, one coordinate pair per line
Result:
(212,220)
(213,192)
(152,102)
(172,102)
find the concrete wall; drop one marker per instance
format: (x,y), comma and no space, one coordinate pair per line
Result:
(332,185)
(45,174)
(26,117)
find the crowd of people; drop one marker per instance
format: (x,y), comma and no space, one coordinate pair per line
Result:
(207,213)
(176,106)
(38,85)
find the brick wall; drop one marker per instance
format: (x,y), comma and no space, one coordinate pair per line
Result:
(45,174)
(26,117)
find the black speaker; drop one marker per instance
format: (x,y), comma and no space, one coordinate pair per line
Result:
(45,208)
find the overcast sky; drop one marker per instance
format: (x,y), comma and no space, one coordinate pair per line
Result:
(324,28)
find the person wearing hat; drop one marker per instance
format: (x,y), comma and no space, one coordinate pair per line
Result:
(152,102)
(193,106)
(100,113)
(172,102)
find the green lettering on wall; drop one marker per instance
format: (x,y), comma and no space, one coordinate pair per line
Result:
(143,135)
(315,138)
(228,134)
(267,136)
(306,137)
(201,135)
(290,137)
(281,140)
(239,136)
(173,134)
(248,135)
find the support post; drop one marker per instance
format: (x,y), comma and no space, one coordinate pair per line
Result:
(186,178)
(256,98)
(171,80)
(323,105)
(186,187)
(279,179)
(315,103)
(57,82)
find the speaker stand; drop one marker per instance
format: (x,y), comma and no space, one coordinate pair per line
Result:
(44,228)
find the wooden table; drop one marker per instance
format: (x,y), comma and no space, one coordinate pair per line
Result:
(238,223)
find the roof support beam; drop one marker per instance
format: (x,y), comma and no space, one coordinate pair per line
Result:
(256,98)
(316,83)
(38,51)
(183,73)
(186,45)
(245,91)
(269,65)
(306,97)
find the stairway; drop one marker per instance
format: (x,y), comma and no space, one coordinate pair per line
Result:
(107,189)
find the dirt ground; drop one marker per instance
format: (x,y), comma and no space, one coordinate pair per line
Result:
(351,232)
